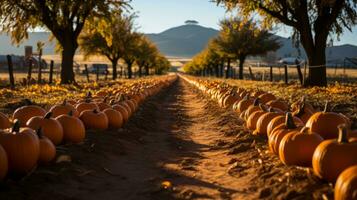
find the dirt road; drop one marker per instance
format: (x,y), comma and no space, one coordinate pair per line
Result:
(179,145)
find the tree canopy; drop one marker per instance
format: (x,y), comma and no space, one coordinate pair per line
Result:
(65,20)
(313,21)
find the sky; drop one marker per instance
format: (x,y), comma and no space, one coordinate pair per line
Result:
(155,16)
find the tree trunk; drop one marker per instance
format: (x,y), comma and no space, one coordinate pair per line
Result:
(216,70)
(115,72)
(68,52)
(140,70)
(228,68)
(241,65)
(130,72)
(147,69)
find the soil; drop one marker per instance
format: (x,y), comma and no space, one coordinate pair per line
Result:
(178,145)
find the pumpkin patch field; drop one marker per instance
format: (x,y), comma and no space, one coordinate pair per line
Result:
(178,137)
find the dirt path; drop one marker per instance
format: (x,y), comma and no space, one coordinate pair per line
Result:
(178,137)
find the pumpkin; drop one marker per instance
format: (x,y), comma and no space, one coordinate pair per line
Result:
(4,165)
(256,106)
(87,105)
(298,148)
(264,120)
(63,108)
(132,105)
(333,156)
(346,184)
(93,119)
(47,148)
(4,121)
(127,107)
(303,113)
(282,105)
(50,127)
(279,132)
(266,97)
(297,105)
(253,119)
(277,121)
(73,128)
(24,113)
(123,111)
(326,123)
(22,148)
(244,104)
(115,119)
(103,105)
(257,93)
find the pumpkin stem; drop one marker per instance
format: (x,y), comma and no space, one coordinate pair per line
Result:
(89,95)
(262,107)
(48,115)
(70,113)
(246,97)
(301,110)
(105,99)
(28,102)
(326,106)
(95,111)
(342,133)
(16,126)
(289,121)
(64,102)
(256,102)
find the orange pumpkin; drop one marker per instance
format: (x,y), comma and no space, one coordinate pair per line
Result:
(279,132)
(4,121)
(333,156)
(87,105)
(50,127)
(282,105)
(4,165)
(127,107)
(103,105)
(346,184)
(73,128)
(63,108)
(277,121)
(303,113)
(24,113)
(266,97)
(123,111)
(298,148)
(47,148)
(263,121)
(22,148)
(256,106)
(326,123)
(253,119)
(93,119)
(244,104)
(298,104)
(115,119)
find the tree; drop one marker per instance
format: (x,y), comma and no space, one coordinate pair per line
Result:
(312,20)
(242,38)
(104,36)
(130,42)
(146,54)
(65,20)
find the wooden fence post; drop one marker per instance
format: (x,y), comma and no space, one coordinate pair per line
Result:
(29,73)
(298,67)
(251,73)
(51,72)
(40,67)
(271,73)
(305,71)
(97,72)
(286,74)
(87,72)
(11,71)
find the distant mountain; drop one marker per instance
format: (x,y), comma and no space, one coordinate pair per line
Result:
(183,41)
